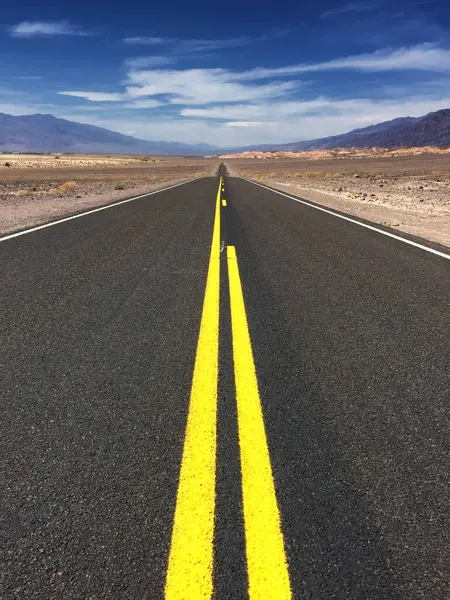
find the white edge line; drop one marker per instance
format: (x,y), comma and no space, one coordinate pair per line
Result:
(90,212)
(330,212)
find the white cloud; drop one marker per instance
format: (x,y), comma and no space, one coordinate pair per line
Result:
(17,109)
(185,46)
(249,96)
(228,108)
(426,57)
(93,108)
(245,124)
(201,86)
(296,114)
(423,57)
(4,91)
(146,40)
(269,110)
(30,29)
(29,77)
(199,45)
(333,120)
(145,62)
(189,87)
(95,96)
(142,104)
(352,7)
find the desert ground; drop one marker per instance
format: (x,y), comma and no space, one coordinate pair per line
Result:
(35,189)
(405,189)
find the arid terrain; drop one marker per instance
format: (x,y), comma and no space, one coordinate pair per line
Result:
(35,189)
(341,153)
(404,188)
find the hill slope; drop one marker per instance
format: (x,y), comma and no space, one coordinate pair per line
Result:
(45,133)
(431,130)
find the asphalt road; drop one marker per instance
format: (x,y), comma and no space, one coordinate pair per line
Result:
(179,417)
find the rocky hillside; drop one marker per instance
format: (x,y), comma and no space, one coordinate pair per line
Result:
(431,130)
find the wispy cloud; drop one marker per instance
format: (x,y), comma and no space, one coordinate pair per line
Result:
(264,104)
(201,86)
(147,40)
(423,57)
(199,45)
(145,62)
(333,119)
(351,7)
(11,93)
(29,77)
(140,104)
(188,87)
(245,124)
(124,99)
(31,29)
(95,96)
(186,46)
(268,111)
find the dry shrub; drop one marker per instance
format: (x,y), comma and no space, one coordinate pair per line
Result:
(313,174)
(68,186)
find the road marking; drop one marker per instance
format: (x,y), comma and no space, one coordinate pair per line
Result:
(266,560)
(224,202)
(190,568)
(90,212)
(371,227)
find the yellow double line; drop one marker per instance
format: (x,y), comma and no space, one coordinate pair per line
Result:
(190,569)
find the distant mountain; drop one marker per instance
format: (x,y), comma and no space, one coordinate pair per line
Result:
(45,133)
(431,130)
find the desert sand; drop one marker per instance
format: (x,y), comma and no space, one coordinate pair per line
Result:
(35,189)
(405,189)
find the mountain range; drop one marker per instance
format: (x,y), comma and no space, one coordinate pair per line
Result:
(46,133)
(431,130)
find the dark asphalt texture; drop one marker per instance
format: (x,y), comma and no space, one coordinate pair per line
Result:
(350,332)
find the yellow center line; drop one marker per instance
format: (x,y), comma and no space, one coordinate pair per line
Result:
(224,202)
(190,568)
(266,559)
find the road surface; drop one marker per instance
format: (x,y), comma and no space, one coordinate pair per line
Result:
(217,391)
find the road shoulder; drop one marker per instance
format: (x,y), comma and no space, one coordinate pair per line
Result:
(434,228)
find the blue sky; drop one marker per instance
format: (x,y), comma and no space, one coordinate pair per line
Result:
(234,73)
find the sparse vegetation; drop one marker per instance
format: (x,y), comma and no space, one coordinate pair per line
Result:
(68,186)
(46,188)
